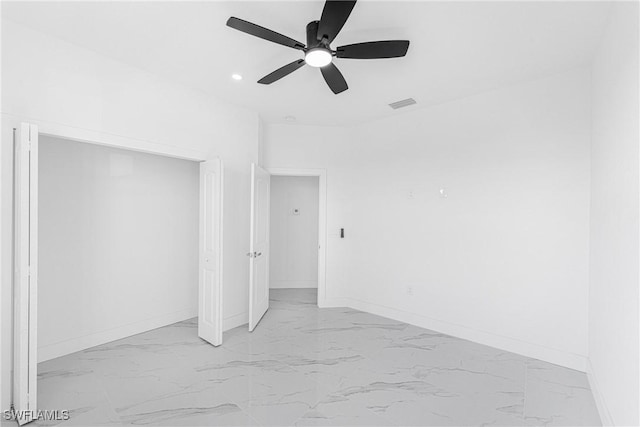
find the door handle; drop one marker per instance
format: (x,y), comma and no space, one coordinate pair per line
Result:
(259,253)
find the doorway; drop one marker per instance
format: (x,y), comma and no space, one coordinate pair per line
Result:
(261,226)
(293,261)
(121,158)
(321,176)
(118,244)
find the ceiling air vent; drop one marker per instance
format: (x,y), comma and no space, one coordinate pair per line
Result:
(402,103)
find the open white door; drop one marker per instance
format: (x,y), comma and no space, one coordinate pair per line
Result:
(259,245)
(210,289)
(25,278)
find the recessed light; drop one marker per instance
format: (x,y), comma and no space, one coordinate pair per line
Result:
(236,76)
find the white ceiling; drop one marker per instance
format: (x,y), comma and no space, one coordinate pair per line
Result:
(457,48)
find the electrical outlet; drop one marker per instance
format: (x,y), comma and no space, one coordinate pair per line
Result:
(409,290)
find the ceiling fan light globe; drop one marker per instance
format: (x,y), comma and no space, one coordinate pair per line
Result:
(318,57)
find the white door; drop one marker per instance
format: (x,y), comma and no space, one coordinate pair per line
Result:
(210,277)
(259,245)
(25,278)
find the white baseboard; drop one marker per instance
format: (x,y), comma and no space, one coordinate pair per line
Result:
(51,351)
(601,403)
(569,360)
(333,302)
(286,284)
(535,351)
(235,321)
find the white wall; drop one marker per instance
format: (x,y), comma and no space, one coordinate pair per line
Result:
(614,268)
(503,259)
(118,243)
(55,82)
(294,237)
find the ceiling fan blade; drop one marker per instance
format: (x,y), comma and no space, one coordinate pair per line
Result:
(374,50)
(281,72)
(263,33)
(334,15)
(334,78)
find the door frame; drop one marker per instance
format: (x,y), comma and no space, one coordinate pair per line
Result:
(322,222)
(72,133)
(116,141)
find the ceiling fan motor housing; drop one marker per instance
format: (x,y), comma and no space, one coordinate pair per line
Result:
(312,36)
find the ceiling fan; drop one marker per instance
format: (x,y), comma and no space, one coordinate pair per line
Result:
(317,52)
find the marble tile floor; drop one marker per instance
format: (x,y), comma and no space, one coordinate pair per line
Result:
(309,366)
